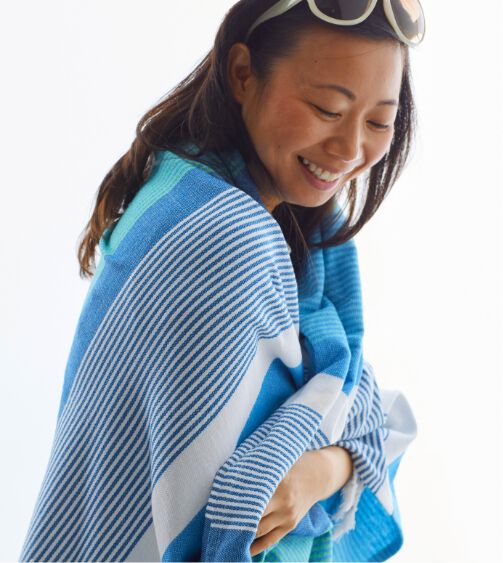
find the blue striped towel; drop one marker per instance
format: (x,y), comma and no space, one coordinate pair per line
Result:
(199,372)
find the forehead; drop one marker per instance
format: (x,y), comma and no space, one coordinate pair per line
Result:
(359,63)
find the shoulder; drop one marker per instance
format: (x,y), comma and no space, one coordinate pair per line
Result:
(188,227)
(186,199)
(218,262)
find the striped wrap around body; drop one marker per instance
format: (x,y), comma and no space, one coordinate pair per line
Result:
(199,373)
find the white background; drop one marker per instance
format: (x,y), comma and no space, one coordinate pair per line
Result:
(76,78)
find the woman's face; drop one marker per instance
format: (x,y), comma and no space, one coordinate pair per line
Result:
(355,79)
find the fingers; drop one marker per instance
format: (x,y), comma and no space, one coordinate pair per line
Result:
(267,523)
(268,540)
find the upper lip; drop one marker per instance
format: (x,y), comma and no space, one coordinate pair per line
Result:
(324,166)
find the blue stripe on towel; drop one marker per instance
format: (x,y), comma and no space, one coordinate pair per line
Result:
(186,398)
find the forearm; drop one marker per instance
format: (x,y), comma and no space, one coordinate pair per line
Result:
(336,465)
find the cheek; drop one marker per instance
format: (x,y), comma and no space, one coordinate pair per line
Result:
(379,148)
(287,124)
(374,152)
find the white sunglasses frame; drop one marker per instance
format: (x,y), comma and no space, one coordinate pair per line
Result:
(284,5)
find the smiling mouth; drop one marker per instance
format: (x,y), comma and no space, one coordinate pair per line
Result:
(300,159)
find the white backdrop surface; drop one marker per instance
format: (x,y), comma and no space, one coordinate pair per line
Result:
(76,78)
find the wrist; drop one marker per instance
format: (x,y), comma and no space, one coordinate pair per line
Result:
(337,464)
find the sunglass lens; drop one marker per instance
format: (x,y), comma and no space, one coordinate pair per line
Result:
(410,18)
(343,9)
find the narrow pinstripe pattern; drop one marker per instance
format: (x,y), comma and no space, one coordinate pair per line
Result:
(254,471)
(176,414)
(364,434)
(123,382)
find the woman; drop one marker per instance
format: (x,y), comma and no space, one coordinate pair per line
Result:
(216,404)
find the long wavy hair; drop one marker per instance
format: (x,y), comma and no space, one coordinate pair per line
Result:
(191,111)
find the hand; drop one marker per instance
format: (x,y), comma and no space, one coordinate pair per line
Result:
(312,477)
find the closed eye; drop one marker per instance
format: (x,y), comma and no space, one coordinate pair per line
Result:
(380,126)
(324,112)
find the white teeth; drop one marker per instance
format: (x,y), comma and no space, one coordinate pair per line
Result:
(320,173)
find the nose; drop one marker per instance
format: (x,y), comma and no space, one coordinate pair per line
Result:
(346,142)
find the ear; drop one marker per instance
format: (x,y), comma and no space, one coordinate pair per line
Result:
(239,72)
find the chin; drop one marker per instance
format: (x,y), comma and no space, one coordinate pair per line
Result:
(318,202)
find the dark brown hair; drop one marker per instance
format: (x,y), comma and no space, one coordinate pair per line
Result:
(192,112)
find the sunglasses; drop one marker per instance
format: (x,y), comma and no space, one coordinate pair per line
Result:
(405,16)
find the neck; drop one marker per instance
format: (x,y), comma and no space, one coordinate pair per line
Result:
(269,200)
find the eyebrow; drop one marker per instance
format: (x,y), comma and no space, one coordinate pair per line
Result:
(351,95)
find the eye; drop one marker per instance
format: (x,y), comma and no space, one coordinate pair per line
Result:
(380,126)
(324,112)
